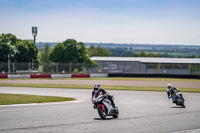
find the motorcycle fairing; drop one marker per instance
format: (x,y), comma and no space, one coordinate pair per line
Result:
(108,105)
(175,96)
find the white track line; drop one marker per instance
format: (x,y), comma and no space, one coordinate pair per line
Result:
(189,131)
(48,103)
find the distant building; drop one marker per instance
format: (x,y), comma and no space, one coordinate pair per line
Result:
(140,65)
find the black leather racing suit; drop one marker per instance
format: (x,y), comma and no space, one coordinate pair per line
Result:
(104,92)
(171,91)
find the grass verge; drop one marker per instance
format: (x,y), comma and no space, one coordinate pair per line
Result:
(8,99)
(132,88)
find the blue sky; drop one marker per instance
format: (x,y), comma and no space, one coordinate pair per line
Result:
(104,21)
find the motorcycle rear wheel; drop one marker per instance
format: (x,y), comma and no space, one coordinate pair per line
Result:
(102,113)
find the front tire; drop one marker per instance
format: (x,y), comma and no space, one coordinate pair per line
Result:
(102,113)
(182,104)
(116,115)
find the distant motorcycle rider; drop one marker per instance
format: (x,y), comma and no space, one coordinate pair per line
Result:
(171,91)
(98,88)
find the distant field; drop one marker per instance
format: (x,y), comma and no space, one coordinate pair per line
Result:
(183,54)
(177,54)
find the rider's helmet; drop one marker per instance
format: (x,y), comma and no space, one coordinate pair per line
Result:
(169,86)
(96,87)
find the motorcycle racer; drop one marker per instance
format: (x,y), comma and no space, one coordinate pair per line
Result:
(98,88)
(171,90)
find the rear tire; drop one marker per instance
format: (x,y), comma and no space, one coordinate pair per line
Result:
(102,113)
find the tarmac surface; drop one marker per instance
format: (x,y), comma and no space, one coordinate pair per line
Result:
(140,112)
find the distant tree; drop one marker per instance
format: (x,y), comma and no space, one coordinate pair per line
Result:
(19,50)
(91,49)
(70,51)
(117,51)
(127,54)
(43,54)
(143,54)
(26,51)
(5,50)
(7,47)
(98,51)
(9,39)
(180,56)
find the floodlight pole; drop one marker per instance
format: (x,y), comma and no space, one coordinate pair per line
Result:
(34,38)
(8,63)
(34,33)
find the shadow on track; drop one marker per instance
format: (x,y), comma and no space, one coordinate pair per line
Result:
(104,119)
(177,107)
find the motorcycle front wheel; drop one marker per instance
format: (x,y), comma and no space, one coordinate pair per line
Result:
(116,114)
(182,104)
(102,113)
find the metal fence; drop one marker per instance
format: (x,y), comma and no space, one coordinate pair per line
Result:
(48,68)
(102,67)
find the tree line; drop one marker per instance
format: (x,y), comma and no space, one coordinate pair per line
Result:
(17,50)
(68,51)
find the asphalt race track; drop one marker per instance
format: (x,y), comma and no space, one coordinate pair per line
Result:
(145,112)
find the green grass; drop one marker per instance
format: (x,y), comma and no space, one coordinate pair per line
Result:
(131,88)
(8,99)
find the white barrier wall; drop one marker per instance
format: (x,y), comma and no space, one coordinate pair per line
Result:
(98,75)
(55,76)
(18,76)
(61,75)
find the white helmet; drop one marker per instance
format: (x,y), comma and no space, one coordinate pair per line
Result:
(96,87)
(169,86)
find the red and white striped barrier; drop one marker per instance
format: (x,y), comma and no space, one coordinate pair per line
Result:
(27,76)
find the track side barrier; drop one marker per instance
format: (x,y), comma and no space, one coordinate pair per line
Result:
(27,76)
(41,76)
(3,76)
(61,75)
(19,76)
(98,75)
(80,75)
